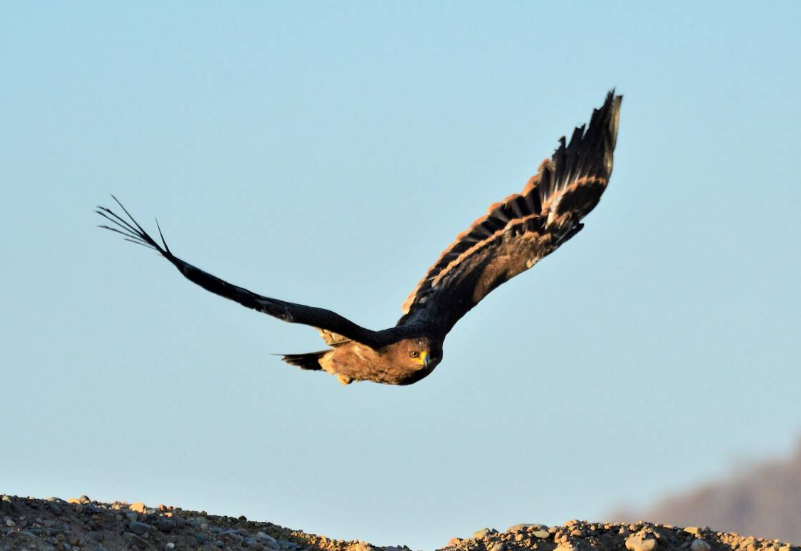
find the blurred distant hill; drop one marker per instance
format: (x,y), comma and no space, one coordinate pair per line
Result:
(763,500)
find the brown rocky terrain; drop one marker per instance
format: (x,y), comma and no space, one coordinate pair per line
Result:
(82,524)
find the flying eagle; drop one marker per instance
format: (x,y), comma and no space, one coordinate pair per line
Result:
(514,235)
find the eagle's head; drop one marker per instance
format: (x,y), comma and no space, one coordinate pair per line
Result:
(418,356)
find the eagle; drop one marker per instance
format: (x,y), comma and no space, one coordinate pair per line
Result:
(510,238)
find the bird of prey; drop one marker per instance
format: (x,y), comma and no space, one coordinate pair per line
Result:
(514,235)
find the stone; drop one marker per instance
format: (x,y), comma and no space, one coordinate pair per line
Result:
(640,543)
(7,506)
(134,539)
(542,534)
(577,533)
(700,545)
(265,537)
(692,530)
(500,546)
(165,524)
(170,545)
(453,542)
(231,535)
(139,507)
(478,534)
(138,528)
(520,527)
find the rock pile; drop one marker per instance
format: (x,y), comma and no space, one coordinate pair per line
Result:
(82,524)
(578,535)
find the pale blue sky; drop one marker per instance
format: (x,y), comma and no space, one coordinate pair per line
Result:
(325,153)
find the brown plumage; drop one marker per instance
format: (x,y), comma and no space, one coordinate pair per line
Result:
(514,235)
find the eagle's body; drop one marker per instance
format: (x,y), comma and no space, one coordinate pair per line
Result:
(513,236)
(390,365)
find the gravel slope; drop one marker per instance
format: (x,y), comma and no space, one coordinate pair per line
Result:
(80,523)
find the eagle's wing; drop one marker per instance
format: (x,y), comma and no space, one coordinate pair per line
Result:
(326,321)
(516,233)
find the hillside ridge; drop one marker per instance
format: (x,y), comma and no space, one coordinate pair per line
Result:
(83,524)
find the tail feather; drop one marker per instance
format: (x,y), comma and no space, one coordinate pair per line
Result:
(309,361)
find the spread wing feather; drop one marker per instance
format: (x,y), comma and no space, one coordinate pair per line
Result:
(522,229)
(330,324)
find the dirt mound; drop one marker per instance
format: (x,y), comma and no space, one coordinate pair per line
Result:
(80,523)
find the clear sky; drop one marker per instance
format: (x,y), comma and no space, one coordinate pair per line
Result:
(325,153)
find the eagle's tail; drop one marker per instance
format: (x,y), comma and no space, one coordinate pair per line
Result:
(309,361)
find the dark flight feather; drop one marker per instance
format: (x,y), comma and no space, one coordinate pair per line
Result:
(522,229)
(285,311)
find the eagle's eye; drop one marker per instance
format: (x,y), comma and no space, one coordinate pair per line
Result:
(414,354)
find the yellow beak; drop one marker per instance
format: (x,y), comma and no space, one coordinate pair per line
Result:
(425,359)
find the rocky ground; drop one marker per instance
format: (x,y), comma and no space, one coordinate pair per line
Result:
(80,523)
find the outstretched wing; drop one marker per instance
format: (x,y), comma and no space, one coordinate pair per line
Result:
(521,230)
(326,321)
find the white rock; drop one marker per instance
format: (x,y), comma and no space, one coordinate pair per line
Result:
(700,545)
(265,537)
(268,540)
(639,543)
